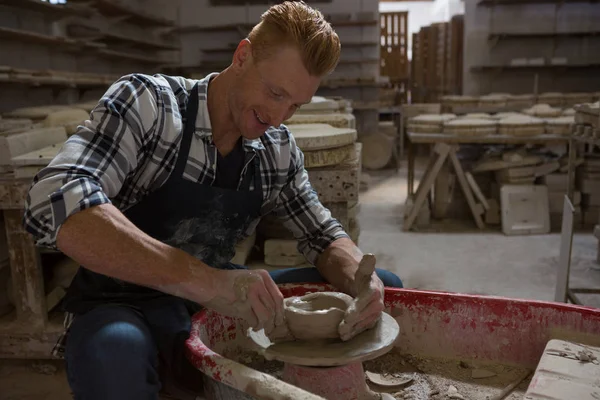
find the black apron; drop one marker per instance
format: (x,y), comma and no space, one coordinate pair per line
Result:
(205,221)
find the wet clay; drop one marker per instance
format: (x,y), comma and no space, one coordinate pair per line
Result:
(362,280)
(327,315)
(367,345)
(316,315)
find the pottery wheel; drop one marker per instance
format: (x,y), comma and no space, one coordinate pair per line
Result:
(367,345)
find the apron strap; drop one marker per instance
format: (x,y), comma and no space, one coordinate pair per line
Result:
(253,173)
(188,132)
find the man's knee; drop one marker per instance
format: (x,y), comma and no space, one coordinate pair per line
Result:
(110,352)
(389,279)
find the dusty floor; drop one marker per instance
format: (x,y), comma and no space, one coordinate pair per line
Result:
(468,260)
(462,261)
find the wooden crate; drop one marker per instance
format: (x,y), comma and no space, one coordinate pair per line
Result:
(394,43)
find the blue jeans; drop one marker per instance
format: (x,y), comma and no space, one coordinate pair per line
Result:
(114,353)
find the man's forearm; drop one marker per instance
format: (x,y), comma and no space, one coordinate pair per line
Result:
(103,240)
(338,264)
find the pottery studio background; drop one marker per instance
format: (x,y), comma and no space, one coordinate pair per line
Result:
(468,162)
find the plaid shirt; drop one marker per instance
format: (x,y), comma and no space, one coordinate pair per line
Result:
(128,148)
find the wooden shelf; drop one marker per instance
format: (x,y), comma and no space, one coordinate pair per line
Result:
(219,65)
(49,78)
(333,84)
(359,62)
(359,44)
(214,28)
(368,22)
(217,50)
(484,68)
(532,35)
(47,8)
(248,26)
(520,2)
(114,8)
(34,37)
(233,46)
(586,139)
(112,36)
(132,57)
(490,139)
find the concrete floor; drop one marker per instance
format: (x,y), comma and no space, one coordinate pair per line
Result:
(464,260)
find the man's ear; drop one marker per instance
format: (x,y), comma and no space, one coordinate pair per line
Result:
(242,54)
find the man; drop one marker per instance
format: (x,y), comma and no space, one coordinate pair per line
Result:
(154,191)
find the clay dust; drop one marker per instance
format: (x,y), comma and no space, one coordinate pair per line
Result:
(439,378)
(432,378)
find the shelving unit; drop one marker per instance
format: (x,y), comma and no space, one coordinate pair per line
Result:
(209,41)
(541,35)
(49,78)
(520,2)
(248,26)
(437,63)
(66,44)
(483,68)
(57,55)
(80,37)
(48,9)
(586,132)
(525,44)
(114,8)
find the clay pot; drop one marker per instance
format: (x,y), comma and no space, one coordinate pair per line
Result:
(316,315)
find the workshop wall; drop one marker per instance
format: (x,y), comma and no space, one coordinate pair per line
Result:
(209,35)
(565,34)
(46,47)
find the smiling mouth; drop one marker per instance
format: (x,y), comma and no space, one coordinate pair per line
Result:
(259,119)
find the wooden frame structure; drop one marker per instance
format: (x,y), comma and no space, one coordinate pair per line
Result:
(445,148)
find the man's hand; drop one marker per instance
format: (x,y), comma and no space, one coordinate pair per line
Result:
(250,295)
(368,305)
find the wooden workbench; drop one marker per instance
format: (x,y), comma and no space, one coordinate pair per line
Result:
(445,147)
(27,332)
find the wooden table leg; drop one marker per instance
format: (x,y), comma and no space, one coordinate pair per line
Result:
(410,177)
(571,169)
(462,180)
(26,270)
(439,156)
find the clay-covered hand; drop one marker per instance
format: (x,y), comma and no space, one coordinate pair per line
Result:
(251,295)
(368,305)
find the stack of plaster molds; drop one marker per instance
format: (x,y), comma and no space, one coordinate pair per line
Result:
(429,123)
(451,102)
(333,111)
(470,127)
(572,99)
(332,158)
(543,110)
(53,116)
(521,126)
